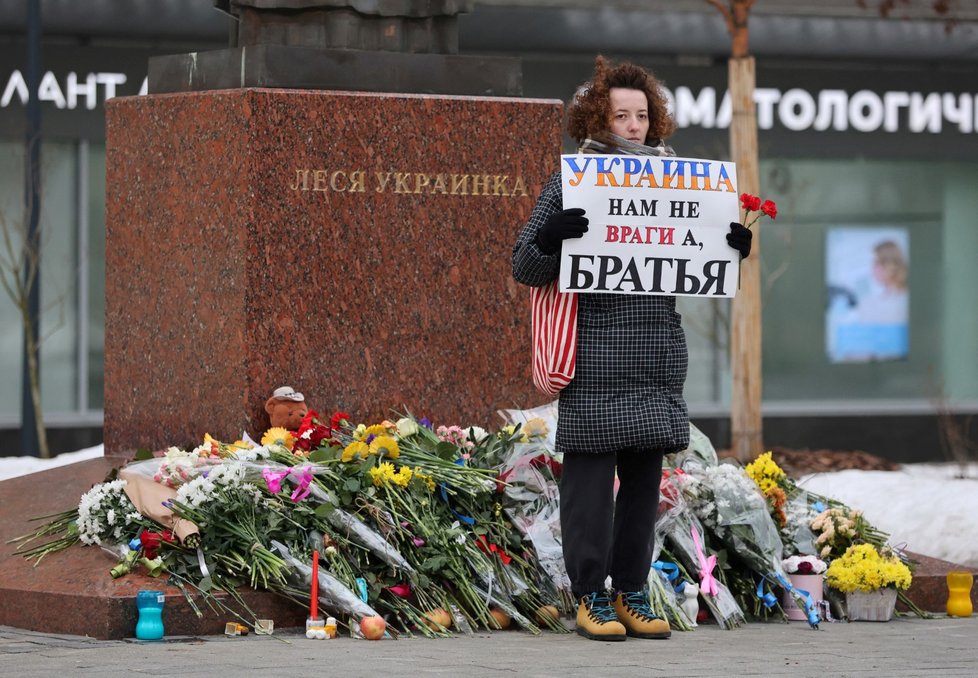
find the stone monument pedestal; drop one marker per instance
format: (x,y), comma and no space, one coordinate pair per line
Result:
(354,246)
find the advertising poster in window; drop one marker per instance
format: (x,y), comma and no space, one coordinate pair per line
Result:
(868,301)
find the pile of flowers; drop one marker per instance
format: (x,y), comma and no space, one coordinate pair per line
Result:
(442,529)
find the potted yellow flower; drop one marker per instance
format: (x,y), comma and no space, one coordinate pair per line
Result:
(870,579)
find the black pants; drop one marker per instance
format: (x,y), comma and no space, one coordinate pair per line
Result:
(600,535)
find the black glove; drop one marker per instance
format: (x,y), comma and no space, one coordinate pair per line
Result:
(562,225)
(739,238)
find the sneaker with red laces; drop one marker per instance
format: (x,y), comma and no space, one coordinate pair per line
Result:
(635,613)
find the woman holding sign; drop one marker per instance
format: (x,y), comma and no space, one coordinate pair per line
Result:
(624,408)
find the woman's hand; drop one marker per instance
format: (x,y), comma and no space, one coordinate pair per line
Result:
(570,223)
(740,238)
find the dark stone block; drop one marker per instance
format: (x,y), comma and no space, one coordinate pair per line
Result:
(335,69)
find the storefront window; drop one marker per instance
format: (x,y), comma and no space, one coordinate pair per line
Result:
(59,277)
(829,324)
(96,275)
(836,219)
(72,278)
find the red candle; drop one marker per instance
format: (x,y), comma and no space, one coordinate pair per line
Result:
(314,595)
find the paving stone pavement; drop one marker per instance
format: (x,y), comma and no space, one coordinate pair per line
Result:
(905,646)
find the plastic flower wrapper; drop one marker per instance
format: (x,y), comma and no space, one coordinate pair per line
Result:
(797,534)
(731,507)
(792,507)
(333,594)
(529,479)
(664,597)
(299,483)
(678,526)
(546,415)
(503,603)
(700,450)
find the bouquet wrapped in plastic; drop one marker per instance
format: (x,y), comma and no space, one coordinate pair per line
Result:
(731,507)
(680,529)
(529,478)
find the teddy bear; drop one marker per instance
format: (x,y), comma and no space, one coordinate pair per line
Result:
(286,408)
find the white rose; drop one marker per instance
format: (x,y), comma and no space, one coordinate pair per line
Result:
(406,427)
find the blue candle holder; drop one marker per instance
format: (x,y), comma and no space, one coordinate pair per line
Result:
(149,604)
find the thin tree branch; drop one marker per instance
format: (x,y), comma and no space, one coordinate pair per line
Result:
(725,11)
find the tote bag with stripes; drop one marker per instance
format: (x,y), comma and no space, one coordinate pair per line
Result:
(554,337)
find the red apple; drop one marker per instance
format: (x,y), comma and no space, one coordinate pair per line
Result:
(373,627)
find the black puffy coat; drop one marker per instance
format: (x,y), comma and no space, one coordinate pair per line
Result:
(627,390)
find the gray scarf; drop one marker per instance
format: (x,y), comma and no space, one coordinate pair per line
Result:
(606,142)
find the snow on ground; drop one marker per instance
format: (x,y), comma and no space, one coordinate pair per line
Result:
(924,507)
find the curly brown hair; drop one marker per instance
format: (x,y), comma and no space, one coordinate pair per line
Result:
(590,111)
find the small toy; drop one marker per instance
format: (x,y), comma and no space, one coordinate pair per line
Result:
(286,408)
(691,603)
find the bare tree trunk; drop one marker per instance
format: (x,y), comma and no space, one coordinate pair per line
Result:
(745,338)
(43,450)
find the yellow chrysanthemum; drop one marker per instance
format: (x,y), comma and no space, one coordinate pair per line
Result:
(385,446)
(765,470)
(355,450)
(863,568)
(383,473)
(402,477)
(278,435)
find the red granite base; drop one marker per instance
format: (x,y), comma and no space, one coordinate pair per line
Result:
(72,591)
(354,246)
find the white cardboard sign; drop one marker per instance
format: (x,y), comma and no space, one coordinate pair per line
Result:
(657,225)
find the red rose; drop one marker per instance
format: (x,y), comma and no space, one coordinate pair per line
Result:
(804,567)
(770,209)
(751,203)
(150,541)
